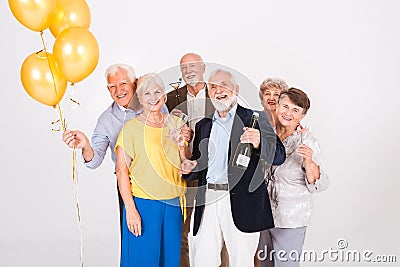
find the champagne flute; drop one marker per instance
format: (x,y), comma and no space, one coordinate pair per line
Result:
(304,133)
(174,122)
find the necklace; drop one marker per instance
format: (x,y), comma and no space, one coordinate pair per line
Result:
(155,122)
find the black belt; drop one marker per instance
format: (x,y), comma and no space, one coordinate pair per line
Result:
(222,187)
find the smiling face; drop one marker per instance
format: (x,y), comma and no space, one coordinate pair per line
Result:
(151,96)
(289,114)
(121,87)
(222,91)
(192,68)
(270,98)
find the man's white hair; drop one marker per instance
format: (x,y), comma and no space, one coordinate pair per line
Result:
(220,70)
(113,69)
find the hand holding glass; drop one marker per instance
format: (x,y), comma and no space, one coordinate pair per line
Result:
(174,122)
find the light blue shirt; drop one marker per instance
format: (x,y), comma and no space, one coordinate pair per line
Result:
(218,147)
(107,130)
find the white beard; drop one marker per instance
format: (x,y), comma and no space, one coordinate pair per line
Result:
(225,105)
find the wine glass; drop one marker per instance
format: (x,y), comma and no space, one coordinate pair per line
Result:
(304,133)
(174,122)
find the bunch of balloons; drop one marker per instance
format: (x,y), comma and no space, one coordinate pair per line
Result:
(75,54)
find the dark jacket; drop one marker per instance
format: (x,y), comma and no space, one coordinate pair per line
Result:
(251,210)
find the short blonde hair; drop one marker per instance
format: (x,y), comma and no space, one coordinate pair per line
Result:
(145,80)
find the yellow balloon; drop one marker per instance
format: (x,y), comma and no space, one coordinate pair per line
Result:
(33,14)
(70,13)
(76,52)
(42,79)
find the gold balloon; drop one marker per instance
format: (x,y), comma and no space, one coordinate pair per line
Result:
(70,13)
(33,14)
(42,79)
(77,53)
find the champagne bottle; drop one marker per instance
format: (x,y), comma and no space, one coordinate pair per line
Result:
(243,151)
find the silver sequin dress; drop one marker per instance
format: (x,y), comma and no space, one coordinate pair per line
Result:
(289,191)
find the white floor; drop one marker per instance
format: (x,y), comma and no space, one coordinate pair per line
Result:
(59,253)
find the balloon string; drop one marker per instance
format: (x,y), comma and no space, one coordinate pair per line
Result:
(63,123)
(75,182)
(63,126)
(74,170)
(48,61)
(77,104)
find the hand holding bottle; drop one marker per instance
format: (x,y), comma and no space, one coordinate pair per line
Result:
(249,140)
(251,136)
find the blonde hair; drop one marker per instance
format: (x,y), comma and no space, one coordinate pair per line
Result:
(144,81)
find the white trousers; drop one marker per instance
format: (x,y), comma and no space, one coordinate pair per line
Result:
(217,226)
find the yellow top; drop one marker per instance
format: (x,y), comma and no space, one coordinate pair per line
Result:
(154,171)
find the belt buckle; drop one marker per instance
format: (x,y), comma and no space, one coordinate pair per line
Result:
(211,186)
(218,187)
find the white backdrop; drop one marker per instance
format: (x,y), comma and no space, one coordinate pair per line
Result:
(344,54)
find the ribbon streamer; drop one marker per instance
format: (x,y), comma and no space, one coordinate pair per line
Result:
(74,169)
(76,103)
(75,182)
(57,122)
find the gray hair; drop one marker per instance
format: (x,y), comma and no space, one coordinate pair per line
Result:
(144,81)
(269,83)
(274,82)
(113,69)
(215,72)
